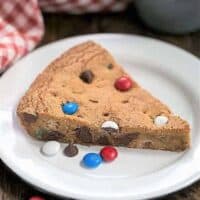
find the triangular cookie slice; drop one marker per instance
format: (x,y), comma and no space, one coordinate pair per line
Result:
(102,111)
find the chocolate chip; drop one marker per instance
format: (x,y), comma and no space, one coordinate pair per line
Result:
(71,150)
(93,101)
(87,76)
(148,144)
(126,139)
(30,118)
(53,135)
(103,140)
(125,101)
(55,94)
(110,66)
(84,134)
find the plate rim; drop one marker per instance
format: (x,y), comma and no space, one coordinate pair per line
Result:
(189,182)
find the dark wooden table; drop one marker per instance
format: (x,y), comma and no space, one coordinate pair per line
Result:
(61,26)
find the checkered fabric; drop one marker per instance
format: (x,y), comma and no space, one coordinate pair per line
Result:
(21,23)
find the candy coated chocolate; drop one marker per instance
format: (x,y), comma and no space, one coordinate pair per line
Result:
(108,153)
(70,108)
(92,160)
(123,83)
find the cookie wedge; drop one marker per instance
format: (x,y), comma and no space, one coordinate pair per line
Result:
(86,74)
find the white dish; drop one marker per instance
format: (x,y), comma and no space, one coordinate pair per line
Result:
(166,71)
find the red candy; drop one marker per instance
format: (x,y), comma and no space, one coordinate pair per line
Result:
(36,198)
(108,153)
(123,83)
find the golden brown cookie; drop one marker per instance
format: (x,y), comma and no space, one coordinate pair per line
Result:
(107,114)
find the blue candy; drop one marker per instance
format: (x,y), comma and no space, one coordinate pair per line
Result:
(70,108)
(92,160)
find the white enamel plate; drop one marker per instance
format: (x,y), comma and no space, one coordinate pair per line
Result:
(168,72)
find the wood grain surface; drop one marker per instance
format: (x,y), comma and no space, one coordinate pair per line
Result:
(60,26)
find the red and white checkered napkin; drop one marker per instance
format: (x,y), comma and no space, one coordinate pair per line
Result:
(21,23)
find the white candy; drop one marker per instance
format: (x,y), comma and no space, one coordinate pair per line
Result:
(50,148)
(110,124)
(160,120)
